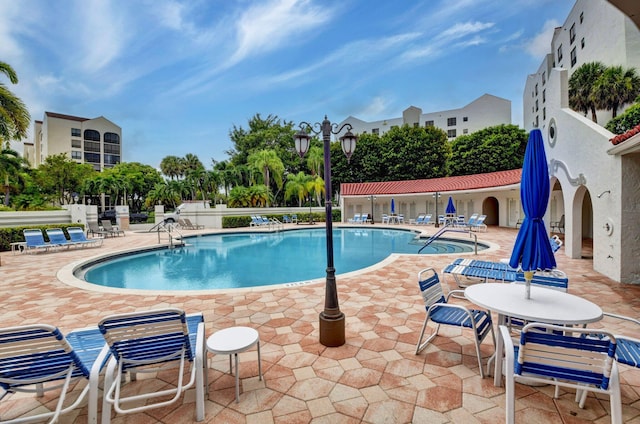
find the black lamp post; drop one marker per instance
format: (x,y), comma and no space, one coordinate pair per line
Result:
(437,196)
(372,198)
(331,318)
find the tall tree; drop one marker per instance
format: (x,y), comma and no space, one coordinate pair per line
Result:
(11,164)
(297,187)
(615,87)
(172,167)
(268,163)
(61,177)
(581,86)
(14,116)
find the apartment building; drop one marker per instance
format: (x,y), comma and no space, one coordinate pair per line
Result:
(595,30)
(96,141)
(485,111)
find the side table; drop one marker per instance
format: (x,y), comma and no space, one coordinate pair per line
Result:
(231,341)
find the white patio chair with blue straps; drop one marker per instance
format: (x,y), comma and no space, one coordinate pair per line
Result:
(564,357)
(440,311)
(151,341)
(38,358)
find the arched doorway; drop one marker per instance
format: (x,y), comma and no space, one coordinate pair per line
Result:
(490,207)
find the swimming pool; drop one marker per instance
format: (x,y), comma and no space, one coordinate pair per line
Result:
(240,260)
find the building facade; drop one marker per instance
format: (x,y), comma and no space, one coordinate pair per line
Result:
(485,111)
(96,141)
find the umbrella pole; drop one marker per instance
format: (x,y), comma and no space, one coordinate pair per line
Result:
(528,276)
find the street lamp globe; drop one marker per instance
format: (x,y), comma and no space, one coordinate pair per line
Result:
(348,142)
(301,141)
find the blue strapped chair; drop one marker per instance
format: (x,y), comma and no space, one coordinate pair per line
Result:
(628,351)
(563,357)
(35,241)
(440,311)
(151,341)
(39,358)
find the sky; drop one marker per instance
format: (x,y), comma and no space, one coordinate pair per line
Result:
(177,76)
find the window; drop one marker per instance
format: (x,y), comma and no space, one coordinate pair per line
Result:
(91,146)
(416,124)
(560,53)
(581,17)
(537,122)
(394,126)
(75,154)
(111,148)
(92,157)
(544,113)
(111,138)
(544,96)
(582,43)
(111,159)
(465,131)
(536,90)
(572,33)
(76,143)
(536,105)
(574,57)
(92,135)
(451,133)
(375,131)
(544,78)
(428,124)
(465,119)
(75,132)
(451,122)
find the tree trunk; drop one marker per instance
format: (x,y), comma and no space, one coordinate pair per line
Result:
(594,117)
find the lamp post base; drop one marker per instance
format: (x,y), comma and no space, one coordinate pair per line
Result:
(332,330)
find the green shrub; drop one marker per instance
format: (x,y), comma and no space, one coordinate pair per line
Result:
(623,123)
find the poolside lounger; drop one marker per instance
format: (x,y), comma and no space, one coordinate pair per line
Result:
(35,241)
(151,341)
(76,234)
(355,219)
(479,270)
(95,230)
(57,237)
(106,224)
(38,358)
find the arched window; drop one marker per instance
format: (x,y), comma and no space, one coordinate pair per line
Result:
(91,135)
(112,138)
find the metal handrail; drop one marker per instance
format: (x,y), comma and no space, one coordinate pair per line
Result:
(447,229)
(162,227)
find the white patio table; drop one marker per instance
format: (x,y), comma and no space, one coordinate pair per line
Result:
(545,305)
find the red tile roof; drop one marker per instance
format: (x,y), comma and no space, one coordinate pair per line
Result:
(625,136)
(467,182)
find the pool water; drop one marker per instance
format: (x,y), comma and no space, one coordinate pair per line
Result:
(240,260)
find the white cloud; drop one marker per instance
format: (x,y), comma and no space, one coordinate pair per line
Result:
(376,107)
(540,44)
(463,29)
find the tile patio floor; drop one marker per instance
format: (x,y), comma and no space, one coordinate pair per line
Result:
(374,378)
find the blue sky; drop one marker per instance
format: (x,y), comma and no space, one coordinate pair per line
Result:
(178,75)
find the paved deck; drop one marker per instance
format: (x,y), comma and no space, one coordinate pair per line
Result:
(374,378)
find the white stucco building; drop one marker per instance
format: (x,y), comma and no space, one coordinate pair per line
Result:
(96,141)
(485,111)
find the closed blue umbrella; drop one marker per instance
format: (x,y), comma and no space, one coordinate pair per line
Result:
(393,206)
(532,250)
(451,209)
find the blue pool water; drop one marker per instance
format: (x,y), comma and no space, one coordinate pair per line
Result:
(257,259)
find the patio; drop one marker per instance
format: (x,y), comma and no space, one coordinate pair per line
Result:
(374,378)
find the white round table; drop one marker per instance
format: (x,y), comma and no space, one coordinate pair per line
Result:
(545,305)
(231,341)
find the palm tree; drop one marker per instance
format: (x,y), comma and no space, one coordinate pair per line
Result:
(267,162)
(11,164)
(297,187)
(14,116)
(315,160)
(172,167)
(581,86)
(615,87)
(316,186)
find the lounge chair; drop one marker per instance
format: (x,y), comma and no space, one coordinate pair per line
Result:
(385,218)
(286,219)
(479,224)
(556,243)
(355,219)
(96,231)
(76,234)
(294,218)
(38,358)
(474,270)
(35,241)
(471,222)
(558,225)
(364,218)
(57,237)
(106,224)
(426,220)
(188,225)
(151,341)
(440,311)
(548,354)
